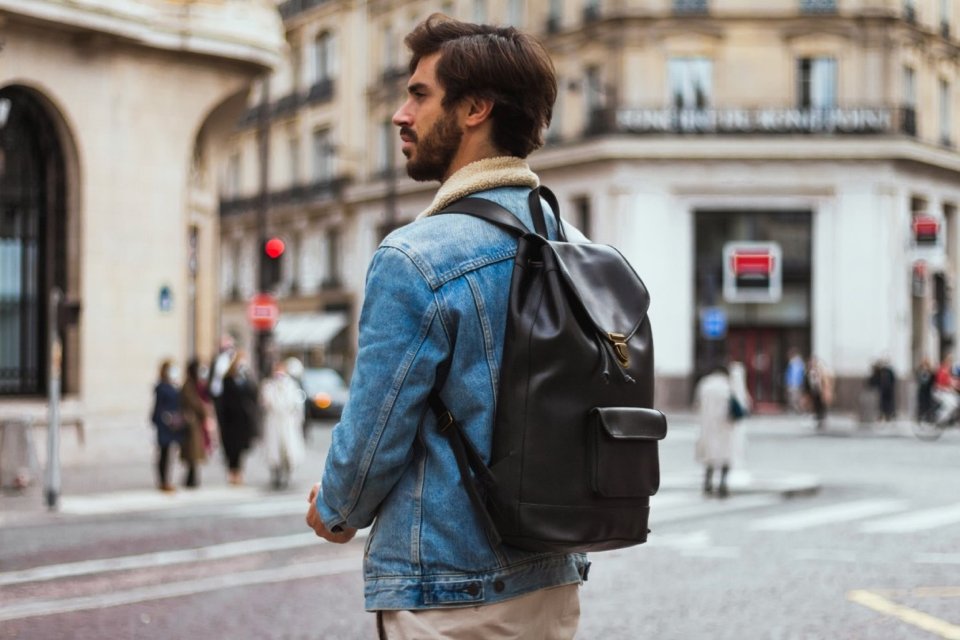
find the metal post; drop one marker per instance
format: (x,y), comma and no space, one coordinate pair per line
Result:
(52,480)
(263,204)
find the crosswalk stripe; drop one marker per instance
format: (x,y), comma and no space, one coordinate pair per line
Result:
(843,512)
(920,520)
(163,558)
(34,608)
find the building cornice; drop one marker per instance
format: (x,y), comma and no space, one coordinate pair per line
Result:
(249,31)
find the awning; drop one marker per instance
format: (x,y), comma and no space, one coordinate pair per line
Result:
(306,330)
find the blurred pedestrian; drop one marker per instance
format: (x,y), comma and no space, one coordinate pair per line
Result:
(239,406)
(793,381)
(193,449)
(741,395)
(168,421)
(925,377)
(282,402)
(945,391)
(218,370)
(819,387)
(713,400)
(884,380)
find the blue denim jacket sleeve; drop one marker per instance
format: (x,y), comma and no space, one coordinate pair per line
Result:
(401,343)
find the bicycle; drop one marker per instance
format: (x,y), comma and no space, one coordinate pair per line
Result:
(930,427)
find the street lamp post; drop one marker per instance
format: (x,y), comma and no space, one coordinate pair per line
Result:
(263,336)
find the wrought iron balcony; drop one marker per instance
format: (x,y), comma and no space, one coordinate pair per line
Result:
(818,6)
(290,8)
(321,91)
(302,194)
(771,121)
(287,104)
(690,6)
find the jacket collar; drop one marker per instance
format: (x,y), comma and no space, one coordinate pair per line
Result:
(481,175)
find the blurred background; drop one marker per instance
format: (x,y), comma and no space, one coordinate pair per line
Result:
(150,150)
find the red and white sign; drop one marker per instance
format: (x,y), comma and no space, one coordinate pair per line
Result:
(926,230)
(263,312)
(752,272)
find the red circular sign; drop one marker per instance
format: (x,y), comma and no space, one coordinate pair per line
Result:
(263,312)
(274,247)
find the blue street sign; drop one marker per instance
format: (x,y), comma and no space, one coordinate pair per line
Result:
(713,323)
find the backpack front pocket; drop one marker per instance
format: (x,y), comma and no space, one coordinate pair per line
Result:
(624,456)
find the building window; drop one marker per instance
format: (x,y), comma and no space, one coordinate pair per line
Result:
(293,155)
(945,115)
(554,16)
(584,216)
(323,57)
(818,6)
(910,10)
(554,133)
(515,13)
(385,147)
(389,53)
(322,156)
(480,11)
(909,118)
(691,85)
(332,279)
(234,169)
(817,83)
(591,10)
(945,18)
(690,6)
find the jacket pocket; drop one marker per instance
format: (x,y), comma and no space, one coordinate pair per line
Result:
(624,455)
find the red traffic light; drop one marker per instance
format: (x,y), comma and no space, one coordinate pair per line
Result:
(274,248)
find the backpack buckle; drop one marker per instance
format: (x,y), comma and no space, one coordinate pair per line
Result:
(619,342)
(445,421)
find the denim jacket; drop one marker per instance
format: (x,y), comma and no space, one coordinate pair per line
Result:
(436,295)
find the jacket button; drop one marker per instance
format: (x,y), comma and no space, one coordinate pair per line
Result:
(473,589)
(498,586)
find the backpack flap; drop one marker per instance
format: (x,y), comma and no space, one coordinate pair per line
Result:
(608,290)
(625,461)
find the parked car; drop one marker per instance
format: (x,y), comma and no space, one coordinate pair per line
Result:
(326,392)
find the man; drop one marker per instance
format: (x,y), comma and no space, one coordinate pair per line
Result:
(793,381)
(479,98)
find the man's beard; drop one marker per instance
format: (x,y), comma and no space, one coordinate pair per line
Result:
(435,151)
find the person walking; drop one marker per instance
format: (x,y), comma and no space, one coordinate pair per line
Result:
(945,391)
(793,378)
(168,421)
(241,415)
(713,400)
(282,402)
(819,387)
(194,409)
(925,378)
(884,380)
(434,314)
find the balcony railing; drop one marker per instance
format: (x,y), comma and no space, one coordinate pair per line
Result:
(690,6)
(317,191)
(818,6)
(321,91)
(291,8)
(772,121)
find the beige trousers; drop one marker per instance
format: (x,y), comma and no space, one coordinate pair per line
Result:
(547,614)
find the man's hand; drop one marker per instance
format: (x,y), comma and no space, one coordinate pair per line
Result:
(315,523)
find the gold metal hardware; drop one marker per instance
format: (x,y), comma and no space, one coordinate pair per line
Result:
(445,421)
(619,342)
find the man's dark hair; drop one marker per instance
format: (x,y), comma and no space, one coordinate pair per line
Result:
(500,64)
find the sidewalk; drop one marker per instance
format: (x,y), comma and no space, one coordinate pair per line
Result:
(113,472)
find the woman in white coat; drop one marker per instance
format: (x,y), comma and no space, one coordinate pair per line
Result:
(714,448)
(282,401)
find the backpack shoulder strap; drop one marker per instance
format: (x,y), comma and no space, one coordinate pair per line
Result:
(489,211)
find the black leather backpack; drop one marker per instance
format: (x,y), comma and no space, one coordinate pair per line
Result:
(574,455)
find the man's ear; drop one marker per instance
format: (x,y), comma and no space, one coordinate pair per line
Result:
(478,111)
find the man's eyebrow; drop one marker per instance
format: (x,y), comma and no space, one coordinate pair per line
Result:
(416,86)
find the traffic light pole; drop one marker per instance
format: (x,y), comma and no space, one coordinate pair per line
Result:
(263,203)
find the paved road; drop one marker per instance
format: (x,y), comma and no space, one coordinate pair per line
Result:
(874,552)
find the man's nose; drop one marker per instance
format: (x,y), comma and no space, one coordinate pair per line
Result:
(402,117)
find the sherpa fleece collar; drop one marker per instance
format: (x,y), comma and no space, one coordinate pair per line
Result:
(488,173)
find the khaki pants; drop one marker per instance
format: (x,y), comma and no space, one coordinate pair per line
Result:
(547,614)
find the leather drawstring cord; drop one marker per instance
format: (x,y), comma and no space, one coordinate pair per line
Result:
(606,354)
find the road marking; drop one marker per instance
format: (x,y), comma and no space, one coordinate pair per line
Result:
(34,608)
(937,558)
(144,500)
(698,506)
(915,520)
(164,558)
(919,619)
(835,513)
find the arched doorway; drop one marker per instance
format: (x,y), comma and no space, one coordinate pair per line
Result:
(33,251)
